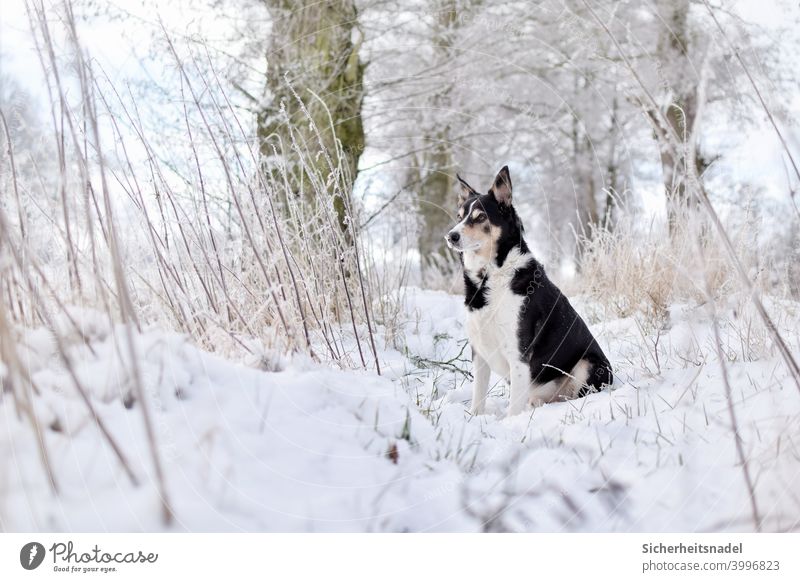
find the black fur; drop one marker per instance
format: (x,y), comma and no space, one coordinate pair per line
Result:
(552,337)
(475,295)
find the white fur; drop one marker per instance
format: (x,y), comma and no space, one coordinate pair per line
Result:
(562,388)
(493,335)
(492,330)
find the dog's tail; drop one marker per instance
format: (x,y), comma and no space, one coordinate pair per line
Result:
(599,375)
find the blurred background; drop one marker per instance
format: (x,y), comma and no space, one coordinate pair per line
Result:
(571,95)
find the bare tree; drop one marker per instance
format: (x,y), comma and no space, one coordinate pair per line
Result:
(436,170)
(314,91)
(677,57)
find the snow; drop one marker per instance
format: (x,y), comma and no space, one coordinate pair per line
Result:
(312,448)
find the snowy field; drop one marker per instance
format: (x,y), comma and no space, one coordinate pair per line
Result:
(288,444)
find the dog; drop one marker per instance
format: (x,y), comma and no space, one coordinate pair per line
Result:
(519,323)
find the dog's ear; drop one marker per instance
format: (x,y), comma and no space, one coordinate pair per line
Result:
(464,191)
(501,189)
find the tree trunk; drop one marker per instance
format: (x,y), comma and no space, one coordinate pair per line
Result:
(612,180)
(312,52)
(585,185)
(677,71)
(437,198)
(437,201)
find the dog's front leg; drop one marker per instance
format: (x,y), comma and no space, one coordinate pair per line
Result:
(520,387)
(480,383)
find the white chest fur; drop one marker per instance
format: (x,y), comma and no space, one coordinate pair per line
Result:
(492,330)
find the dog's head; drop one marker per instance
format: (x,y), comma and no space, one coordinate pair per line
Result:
(488,226)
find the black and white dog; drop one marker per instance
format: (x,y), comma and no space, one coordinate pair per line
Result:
(519,323)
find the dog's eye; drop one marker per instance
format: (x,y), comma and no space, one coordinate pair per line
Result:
(479,218)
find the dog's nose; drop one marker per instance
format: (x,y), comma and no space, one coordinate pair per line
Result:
(454,237)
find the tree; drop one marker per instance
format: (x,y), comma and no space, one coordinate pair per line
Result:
(679,52)
(437,180)
(314,96)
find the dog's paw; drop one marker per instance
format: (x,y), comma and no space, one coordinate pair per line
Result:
(536,401)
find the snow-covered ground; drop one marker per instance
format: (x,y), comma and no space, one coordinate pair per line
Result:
(310,448)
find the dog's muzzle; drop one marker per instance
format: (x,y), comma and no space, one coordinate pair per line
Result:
(453,240)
